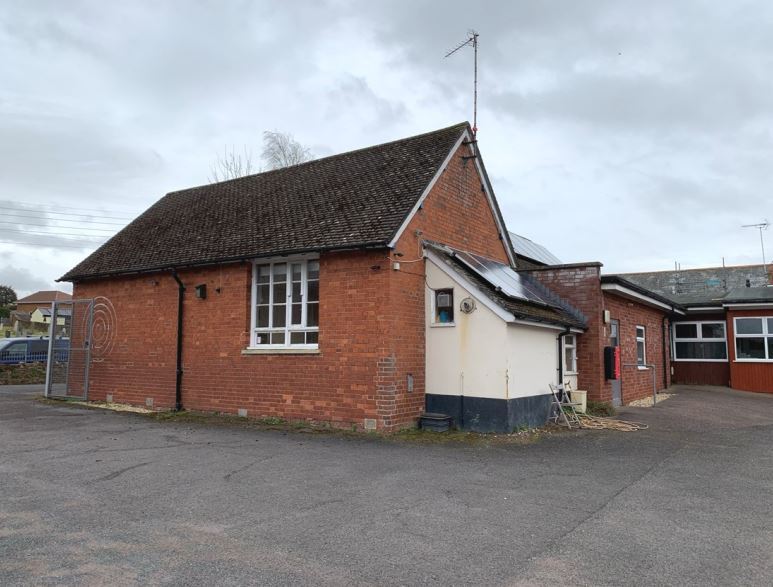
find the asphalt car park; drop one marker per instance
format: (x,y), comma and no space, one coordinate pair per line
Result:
(95,497)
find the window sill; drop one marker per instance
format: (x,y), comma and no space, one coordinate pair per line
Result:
(642,368)
(442,324)
(573,373)
(753,361)
(281,351)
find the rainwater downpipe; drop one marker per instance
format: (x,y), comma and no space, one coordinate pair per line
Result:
(665,362)
(561,355)
(178,392)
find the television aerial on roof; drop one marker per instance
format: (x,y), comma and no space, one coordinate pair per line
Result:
(472,40)
(759,226)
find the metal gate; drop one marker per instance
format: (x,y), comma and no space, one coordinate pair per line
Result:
(69,349)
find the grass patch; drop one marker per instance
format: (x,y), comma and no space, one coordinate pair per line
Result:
(521,436)
(603,409)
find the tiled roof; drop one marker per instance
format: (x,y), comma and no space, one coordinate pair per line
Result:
(45,297)
(700,286)
(354,199)
(559,312)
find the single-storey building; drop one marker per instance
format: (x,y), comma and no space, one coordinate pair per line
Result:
(724,335)
(359,289)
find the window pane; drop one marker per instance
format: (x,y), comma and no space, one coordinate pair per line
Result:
(750,348)
(639,332)
(312,315)
(688,350)
(280,315)
(262,317)
(569,340)
(280,272)
(685,330)
(263,291)
(748,325)
(313,294)
(263,273)
(713,330)
(313,270)
(770,347)
(296,292)
(297,337)
(295,311)
(569,360)
(296,271)
(770,329)
(262,338)
(277,338)
(312,337)
(640,353)
(280,293)
(714,350)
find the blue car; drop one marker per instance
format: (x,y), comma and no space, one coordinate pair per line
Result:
(14,351)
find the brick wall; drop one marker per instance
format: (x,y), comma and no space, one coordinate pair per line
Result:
(636,383)
(371,327)
(456,212)
(580,285)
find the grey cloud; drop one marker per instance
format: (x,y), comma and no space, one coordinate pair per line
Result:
(24,282)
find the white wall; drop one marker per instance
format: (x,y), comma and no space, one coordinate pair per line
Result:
(533,358)
(482,355)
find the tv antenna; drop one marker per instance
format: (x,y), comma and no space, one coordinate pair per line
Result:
(472,40)
(759,226)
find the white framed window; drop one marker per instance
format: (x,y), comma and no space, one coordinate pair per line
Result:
(570,354)
(285,303)
(753,339)
(699,341)
(443,307)
(641,346)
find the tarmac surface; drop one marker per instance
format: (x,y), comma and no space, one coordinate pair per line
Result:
(94,497)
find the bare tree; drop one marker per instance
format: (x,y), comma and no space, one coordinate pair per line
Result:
(279,150)
(232,164)
(282,150)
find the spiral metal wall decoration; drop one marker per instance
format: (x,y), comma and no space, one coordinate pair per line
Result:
(104,327)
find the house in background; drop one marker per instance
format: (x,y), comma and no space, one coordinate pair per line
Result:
(28,317)
(725,334)
(41,299)
(358,289)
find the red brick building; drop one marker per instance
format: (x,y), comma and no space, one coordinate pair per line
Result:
(303,293)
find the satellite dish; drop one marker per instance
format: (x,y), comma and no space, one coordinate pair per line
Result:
(467,305)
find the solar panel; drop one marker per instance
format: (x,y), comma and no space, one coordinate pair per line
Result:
(528,248)
(503,278)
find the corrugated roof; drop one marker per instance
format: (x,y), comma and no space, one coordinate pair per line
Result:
(351,200)
(527,248)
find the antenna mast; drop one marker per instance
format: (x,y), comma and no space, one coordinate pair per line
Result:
(472,40)
(760,226)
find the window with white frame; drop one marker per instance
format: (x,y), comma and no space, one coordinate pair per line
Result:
(570,354)
(285,301)
(443,302)
(699,341)
(754,339)
(641,346)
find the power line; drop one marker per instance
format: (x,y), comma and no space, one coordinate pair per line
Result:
(62,213)
(17,224)
(54,233)
(50,245)
(59,206)
(37,217)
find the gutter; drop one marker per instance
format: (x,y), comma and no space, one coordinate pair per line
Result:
(178,393)
(665,333)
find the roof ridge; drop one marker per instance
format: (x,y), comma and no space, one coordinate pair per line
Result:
(326,158)
(758,265)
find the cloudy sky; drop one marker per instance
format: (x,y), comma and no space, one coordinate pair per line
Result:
(637,134)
